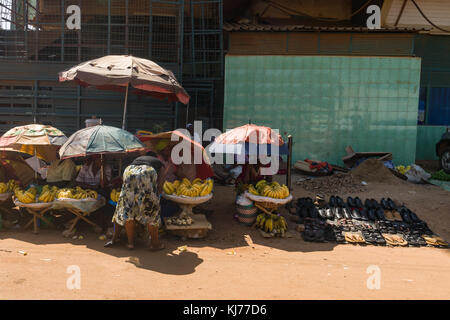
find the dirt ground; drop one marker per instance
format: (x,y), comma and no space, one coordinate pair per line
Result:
(234,261)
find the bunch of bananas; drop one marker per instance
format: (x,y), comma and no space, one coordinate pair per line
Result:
(403,169)
(196,188)
(11,185)
(28,196)
(48,194)
(273,224)
(115,193)
(77,193)
(271,190)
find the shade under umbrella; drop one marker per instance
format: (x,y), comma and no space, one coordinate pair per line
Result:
(160,141)
(34,139)
(100,139)
(118,72)
(249,139)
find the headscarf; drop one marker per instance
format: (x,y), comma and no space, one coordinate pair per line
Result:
(150,161)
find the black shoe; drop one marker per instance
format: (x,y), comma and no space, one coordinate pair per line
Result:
(313,213)
(351,202)
(322,213)
(384,204)
(380,214)
(308,203)
(358,202)
(391,204)
(413,216)
(339,202)
(330,214)
(405,216)
(368,204)
(355,214)
(332,201)
(300,202)
(338,213)
(371,214)
(375,204)
(363,214)
(346,213)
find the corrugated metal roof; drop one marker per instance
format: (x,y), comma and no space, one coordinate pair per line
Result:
(233,27)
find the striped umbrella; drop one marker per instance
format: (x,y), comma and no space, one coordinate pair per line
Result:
(34,139)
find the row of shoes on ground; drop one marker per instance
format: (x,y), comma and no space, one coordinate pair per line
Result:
(353,209)
(408,229)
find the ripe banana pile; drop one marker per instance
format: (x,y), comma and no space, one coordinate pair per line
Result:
(196,188)
(271,190)
(273,224)
(28,196)
(48,194)
(8,187)
(403,169)
(115,193)
(76,193)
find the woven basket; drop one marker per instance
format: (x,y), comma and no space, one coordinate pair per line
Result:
(247,214)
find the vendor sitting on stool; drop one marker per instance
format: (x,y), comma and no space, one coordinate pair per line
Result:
(90,173)
(139,201)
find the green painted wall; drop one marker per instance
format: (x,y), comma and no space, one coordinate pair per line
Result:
(328,102)
(427,137)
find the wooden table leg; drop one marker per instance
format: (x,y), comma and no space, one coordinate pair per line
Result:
(83,216)
(35,226)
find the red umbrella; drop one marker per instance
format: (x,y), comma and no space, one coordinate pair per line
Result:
(248,132)
(119,72)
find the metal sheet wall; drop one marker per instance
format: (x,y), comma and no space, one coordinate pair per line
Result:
(328,102)
(30,91)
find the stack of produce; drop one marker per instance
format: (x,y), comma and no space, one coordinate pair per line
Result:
(271,223)
(48,194)
(440,175)
(270,190)
(180,221)
(76,193)
(196,188)
(115,193)
(28,196)
(8,187)
(403,169)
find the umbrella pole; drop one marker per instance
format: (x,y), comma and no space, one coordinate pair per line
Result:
(124,119)
(35,172)
(102,172)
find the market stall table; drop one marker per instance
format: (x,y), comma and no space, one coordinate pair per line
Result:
(80,208)
(37,210)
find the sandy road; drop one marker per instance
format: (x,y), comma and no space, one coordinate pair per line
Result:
(234,262)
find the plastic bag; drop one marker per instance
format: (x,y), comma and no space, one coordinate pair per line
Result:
(243,201)
(417,175)
(236,172)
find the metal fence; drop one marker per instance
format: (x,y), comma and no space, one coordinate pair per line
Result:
(37,43)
